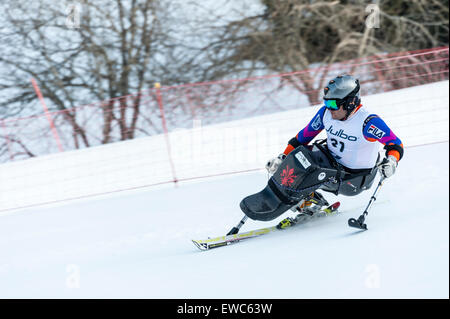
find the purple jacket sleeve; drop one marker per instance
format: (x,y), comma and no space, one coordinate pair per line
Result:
(314,127)
(375,129)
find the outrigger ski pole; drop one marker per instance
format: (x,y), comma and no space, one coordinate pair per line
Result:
(359,223)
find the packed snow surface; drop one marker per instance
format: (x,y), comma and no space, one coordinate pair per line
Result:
(138,244)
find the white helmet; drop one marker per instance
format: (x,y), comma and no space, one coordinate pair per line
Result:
(343,90)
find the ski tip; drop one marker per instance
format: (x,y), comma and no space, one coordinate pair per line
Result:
(201,246)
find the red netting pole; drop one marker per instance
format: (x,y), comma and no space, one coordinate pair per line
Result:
(166,131)
(47,114)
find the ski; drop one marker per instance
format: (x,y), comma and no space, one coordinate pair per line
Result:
(226,240)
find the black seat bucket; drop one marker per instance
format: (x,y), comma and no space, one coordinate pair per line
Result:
(264,205)
(301,172)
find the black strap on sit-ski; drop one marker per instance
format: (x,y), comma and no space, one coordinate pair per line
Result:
(338,167)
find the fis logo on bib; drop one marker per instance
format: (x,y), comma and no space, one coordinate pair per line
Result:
(376,131)
(341,134)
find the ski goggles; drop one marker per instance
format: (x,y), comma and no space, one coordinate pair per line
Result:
(331,104)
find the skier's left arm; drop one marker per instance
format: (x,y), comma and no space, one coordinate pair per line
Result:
(375,129)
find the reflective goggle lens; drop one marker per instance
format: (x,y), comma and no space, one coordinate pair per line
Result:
(331,104)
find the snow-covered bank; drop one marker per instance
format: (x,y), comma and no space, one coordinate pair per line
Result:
(138,245)
(418,115)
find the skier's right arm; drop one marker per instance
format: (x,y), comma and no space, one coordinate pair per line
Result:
(307,134)
(314,127)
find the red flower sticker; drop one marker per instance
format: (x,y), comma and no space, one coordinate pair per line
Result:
(287,176)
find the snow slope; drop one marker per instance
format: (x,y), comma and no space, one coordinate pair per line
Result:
(418,115)
(137,244)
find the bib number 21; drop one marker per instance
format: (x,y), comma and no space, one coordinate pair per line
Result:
(335,143)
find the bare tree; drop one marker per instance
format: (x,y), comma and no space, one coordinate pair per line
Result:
(80,52)
(292,35)
(113,51)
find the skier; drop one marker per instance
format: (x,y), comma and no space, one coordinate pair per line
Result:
(345,163)
(353,137)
